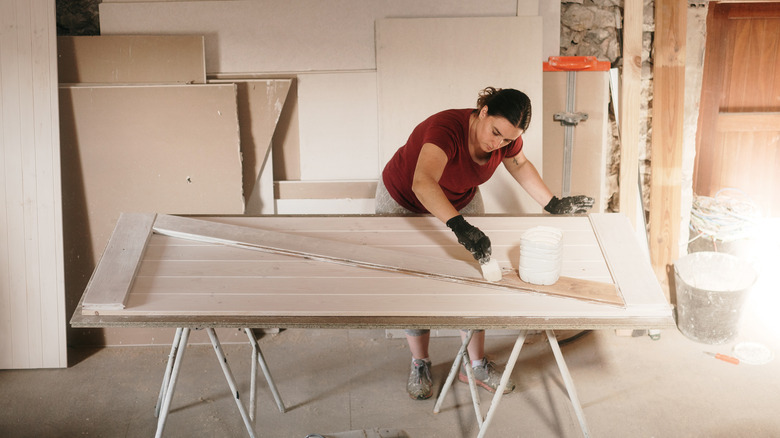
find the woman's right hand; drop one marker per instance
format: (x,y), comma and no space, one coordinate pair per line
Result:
(472,238)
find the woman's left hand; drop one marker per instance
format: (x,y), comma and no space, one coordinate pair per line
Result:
(569,205)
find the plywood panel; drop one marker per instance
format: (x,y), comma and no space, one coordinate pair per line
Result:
(590,147)
(417,79)
(132,59)
(143,149)
(273,36)
(32,299)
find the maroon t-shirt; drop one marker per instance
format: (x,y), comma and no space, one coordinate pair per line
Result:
(448,130)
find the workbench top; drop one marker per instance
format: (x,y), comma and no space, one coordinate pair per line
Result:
(182,282)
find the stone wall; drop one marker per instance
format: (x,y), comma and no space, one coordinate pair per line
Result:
(77,17)
(594,28)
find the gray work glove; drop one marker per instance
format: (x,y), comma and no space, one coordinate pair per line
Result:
(472,238)
(569,205)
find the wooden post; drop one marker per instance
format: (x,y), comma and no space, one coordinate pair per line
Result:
(629,107)
(667,140)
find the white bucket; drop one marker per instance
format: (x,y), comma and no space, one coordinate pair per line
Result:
(541,255)
(711,288)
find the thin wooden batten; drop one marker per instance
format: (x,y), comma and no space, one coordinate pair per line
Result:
(113,278)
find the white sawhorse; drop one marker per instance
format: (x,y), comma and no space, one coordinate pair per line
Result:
(172,374)
(463,357)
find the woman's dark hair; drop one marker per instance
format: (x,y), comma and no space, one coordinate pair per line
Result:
(508,103)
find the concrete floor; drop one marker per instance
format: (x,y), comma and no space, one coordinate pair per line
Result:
(344,380)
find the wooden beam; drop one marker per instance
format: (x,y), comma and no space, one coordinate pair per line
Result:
(714,70)
(630,91)
(667,141)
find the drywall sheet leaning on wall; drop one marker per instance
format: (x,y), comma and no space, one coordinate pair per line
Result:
(130,59)
(591,142)
(142,148)
(260,103)
(428,65)
(283,36)
(338,126)
(257,36)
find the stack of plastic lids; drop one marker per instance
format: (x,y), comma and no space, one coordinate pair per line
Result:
(541,255)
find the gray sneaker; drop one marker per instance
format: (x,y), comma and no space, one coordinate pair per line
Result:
(419,385)
(488,376)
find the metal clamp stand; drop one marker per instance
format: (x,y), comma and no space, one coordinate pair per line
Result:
(569,119)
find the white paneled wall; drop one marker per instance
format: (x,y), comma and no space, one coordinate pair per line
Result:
(32,298)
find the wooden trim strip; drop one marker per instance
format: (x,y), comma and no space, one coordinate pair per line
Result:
(748,122)
(630,91)
(623,259)
(115,273)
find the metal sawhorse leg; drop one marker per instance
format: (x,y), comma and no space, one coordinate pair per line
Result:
(257,358)
(484,423)
(172,373)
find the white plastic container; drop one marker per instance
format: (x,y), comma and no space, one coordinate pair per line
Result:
(541,255)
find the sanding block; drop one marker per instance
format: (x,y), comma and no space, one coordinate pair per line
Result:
(491,271)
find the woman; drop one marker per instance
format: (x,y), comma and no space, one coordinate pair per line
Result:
(439,170)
